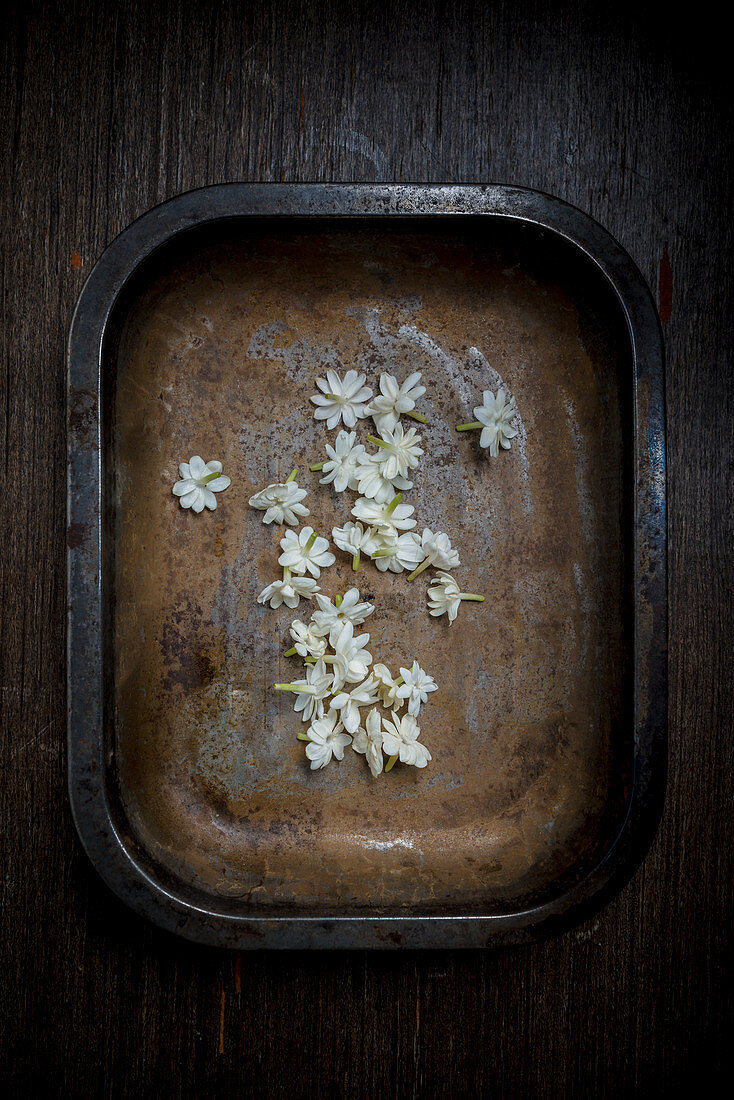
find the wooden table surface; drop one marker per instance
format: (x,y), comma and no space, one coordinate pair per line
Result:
(109,108)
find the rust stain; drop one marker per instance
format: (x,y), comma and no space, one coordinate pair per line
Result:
(76,259)
(221,1023)
(75,535)
(665,287)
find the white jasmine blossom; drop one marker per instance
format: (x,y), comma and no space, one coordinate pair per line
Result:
(308,642)
(372,482)
(330,616)
(398,452)
(341,399)
(416,687)
(388,518)
(368,740)
(444,597)
(281,501)
(387,687)
(400,738)
(326,739)
(199,482)
(311,692)
(398,552)
(305,551)
(351,660)
(350,702)
(288,591)
(393,400)
(495,418)
(341,467)
(437,551)
(354,539)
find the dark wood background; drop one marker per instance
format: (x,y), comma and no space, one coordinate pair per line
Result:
(111,107)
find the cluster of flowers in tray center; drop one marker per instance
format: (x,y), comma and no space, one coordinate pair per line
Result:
(344,696)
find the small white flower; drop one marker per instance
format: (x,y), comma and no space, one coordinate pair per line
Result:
(282,502)
(341,399)
(307,642)
(351,660)
(329,618)
(199,482)
(387,687)
(326,739)
(437,551)
(398,552)
(288,591)
(341,468)
(416,687)
(311,692)
(372,482)
(400,738)
(389,518)
(305,550)
(398,451)
(496,414)
(349,703)
(368,740)
(444,597)
(354,539)
(393,399)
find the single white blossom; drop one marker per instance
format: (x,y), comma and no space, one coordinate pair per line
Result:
(305,551)
(372,482)
(199,482)
(398,552)
(368,740)
(341,399)
(355,539)
(444,597)
(393,399)
(307,642)
(496,415)
(416,687)
(330,616)
(400,738)
(387,687)
(437,551)
(288,591)
(349,703)
(282,502)
(398,451)
(341,467)
(311,692)
(351,660)
(326,739)
(389,518)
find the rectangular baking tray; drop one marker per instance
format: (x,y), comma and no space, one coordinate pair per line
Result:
(200,331)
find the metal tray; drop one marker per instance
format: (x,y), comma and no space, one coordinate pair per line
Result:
(189,789)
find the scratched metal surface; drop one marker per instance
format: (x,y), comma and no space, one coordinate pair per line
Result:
(216,355)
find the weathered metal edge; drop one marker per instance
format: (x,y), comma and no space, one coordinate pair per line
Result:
(108,851)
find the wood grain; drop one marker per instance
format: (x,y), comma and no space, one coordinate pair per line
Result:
(109,108)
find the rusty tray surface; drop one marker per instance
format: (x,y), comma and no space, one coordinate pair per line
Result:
(201,330)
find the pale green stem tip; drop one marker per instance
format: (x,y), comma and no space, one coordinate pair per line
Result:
(469,427)
(286,573)
(418,417)
(302,736)
(333,396)
(393,504)
(423,565)
(311,541)
(471,596)
(290,652)
(286,687)
(399,681)
(355,562)
(338,601)
(292,475)
(384,553)
(317,466)
(212,477)
(390,763)
(378,442)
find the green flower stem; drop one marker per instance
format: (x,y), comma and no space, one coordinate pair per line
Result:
(287,574)
(333,396)
(393,505)
(355,561)
(379,442)
(384,553)
(338,601)
(302,736)
(418,417)
(317,466)
(471,596)
(300,689)
(399,681)
(469,427)
(309,660)
(292,475)
(390,763)
(290,652)
(211,477)
(423,565)
(311,541)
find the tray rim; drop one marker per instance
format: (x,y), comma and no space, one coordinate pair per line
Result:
(113,858)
